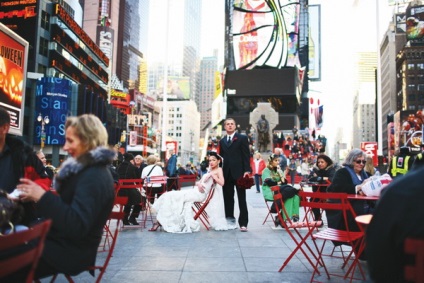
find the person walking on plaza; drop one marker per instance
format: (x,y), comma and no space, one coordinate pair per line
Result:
(82,202)
(18,160)
(234,149)
(171,171)
(257,165)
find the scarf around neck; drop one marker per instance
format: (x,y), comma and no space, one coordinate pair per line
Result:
(355,179)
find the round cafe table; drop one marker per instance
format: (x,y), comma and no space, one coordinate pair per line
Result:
(364,220)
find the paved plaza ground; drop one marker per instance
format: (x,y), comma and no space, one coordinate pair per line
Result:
(210,256)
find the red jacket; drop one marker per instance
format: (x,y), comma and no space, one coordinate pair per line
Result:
(261,166)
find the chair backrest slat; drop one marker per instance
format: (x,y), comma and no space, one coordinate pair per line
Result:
(33,241)
(202,206)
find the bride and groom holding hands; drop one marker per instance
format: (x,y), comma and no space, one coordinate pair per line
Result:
(174,212)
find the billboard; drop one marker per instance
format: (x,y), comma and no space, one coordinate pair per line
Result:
(178,88)
(52,100)
(263,33)
(13,69)
(314,43)
(415,24)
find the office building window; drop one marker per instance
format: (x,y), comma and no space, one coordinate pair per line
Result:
(45,20)
(44,47)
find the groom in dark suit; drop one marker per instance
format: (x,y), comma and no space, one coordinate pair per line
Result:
(234,148)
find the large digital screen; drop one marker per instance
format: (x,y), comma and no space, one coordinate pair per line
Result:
(13,69)
(264,33)
(52,104)
(415,24)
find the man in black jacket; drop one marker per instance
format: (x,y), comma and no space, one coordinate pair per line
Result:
(234,149)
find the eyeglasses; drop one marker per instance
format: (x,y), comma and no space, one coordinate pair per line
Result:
(360,161)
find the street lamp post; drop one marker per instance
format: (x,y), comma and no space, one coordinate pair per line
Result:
(44,121)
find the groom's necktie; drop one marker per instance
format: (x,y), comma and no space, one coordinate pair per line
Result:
(229,140)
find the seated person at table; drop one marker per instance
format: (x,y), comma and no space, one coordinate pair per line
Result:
(349,179)
(273,176)
(174,208)
(322,172)
(83,200)
(127,170)
(153,170)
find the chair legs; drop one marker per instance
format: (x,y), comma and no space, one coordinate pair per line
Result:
(269,213)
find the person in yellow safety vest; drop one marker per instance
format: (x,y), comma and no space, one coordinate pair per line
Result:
(401,163)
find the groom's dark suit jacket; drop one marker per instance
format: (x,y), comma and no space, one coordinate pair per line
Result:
(236,156)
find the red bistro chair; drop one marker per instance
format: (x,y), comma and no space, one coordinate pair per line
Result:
(340,202)
(28,258)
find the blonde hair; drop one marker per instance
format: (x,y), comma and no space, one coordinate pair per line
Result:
(151,159)
(369,165)
(89,129)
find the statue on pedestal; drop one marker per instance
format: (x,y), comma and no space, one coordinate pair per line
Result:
(262,127)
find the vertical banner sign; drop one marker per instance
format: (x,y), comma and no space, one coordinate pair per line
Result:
(13,69)
(52,100)
(370,148)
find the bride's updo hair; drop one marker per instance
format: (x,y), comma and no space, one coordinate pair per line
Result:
(217,156)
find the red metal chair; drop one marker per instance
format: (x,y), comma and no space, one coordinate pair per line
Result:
(107,238)
(35,235)
(111,235)
(269,214)
(125,184)
(293,231)
(148,185)
(414,273)
(340,202)
(199,209)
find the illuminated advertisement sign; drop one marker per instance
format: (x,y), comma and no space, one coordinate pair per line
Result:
(314,42)
(63,39)
(178,88)
(69,21)
(263,33)
(52,100)
(21,18)
(415,24)
(58,62)
(13,69)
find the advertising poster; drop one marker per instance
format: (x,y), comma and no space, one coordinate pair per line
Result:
(370,149)
(415,24)
(52,100)
(265,33)
(13,69)
(314,68)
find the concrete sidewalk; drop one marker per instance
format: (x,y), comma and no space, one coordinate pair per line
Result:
(211,256)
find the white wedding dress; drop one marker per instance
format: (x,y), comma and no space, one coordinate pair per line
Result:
(175,214)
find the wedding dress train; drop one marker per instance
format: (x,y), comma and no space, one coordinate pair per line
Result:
(175,214)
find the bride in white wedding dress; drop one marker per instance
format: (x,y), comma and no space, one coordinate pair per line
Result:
(174,208)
